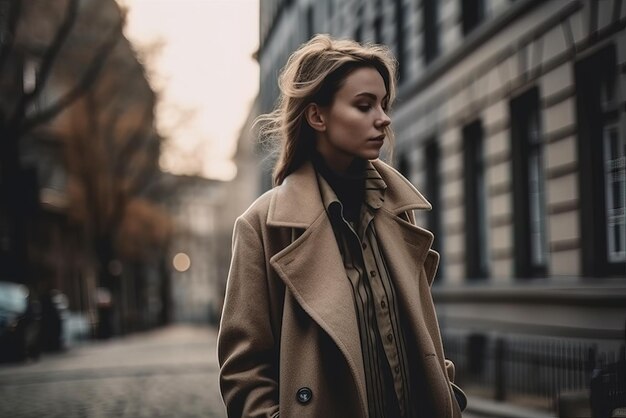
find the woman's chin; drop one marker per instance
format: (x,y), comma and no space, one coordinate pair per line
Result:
(371,155)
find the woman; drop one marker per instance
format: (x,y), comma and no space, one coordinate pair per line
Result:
(328,311)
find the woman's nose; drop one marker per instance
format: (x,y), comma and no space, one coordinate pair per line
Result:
(383,121)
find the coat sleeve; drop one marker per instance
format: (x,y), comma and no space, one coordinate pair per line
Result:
(246,345)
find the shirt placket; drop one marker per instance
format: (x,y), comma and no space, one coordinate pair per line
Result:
(363,282)
(381,302)
(382,307)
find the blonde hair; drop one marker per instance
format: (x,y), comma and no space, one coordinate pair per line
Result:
(313,74)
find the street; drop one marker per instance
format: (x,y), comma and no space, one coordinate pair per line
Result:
(170,372)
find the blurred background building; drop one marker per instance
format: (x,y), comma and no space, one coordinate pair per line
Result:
(80,184)
(510,118)
(235,196)
(193,252)
(102,240)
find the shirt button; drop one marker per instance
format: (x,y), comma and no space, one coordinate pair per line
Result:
(390,337)
(373,273)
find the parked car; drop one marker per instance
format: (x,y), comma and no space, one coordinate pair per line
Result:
(20,323)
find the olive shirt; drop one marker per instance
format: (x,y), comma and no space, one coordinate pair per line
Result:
(351,202)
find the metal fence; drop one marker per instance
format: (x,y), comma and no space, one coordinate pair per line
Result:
(529,370)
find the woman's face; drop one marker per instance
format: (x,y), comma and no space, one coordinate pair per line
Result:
(354,123)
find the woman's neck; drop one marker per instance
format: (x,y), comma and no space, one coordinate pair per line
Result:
(348,186)
(339,162)
(352,171)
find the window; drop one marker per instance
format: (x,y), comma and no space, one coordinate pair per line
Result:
(30,75)
(476,261)
(602,178)
(400,40)
(473,12)
(530,241)
(30,79)
(430,17)
(433,194)
(403,166)
(615,195)
(358,32)
(378,29)
(378,22)
(310,30)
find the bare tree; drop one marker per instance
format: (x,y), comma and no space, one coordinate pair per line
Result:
(34,35)
(112,157)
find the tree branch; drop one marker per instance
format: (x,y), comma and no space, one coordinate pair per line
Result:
(88,78)
(47,62)
(134,142)
(143,174)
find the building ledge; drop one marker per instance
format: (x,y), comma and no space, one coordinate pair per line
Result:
(560,291)
(555,307)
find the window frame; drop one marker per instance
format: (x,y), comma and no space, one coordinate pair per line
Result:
(531,253)
(472,14)
(430,30)
(475,197)
(400,41)
(432,190)
(593,74)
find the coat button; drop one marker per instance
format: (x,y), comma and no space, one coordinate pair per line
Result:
(304,395)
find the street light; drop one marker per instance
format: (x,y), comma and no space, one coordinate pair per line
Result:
(181,262)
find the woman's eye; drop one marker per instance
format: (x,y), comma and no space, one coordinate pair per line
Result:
(364,107)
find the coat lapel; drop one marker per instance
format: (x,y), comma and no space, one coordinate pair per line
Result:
(313,270)
(312,267)
(406,248)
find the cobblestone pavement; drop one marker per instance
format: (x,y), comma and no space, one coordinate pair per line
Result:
(170,372)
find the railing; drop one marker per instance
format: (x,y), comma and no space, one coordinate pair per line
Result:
(529,370)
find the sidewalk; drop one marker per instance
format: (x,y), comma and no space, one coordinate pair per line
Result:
(169,372)
(485,408)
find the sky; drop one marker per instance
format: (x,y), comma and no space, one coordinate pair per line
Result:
(200,63)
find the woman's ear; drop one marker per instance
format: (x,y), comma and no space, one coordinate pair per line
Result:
(315,118)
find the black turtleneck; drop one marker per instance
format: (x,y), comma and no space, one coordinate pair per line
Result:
(349,186)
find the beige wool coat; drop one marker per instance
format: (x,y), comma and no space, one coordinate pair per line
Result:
(289,323)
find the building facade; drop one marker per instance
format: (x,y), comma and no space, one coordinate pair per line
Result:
(233,197)
(193,259)
(511,119)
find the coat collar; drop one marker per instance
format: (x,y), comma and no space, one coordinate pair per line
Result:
(294,206)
